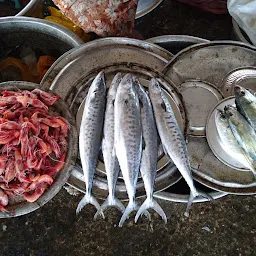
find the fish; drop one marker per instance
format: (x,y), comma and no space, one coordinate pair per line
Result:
(148,165)
(108,148)
(90,136)
(172,138)
(128,139)
(244,134)
(229,141)
(246,104)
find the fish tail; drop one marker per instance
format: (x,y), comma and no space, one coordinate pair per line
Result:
(192,196)
(132,205)
(150,203)
(110,201)
(89,199)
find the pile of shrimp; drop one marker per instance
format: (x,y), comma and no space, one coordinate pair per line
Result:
(33,144)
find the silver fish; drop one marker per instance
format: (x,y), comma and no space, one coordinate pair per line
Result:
(148,164)
(229,141)
(244,134)
(110,160)
(128,139)
(172,138)
(246,104)
(90,136)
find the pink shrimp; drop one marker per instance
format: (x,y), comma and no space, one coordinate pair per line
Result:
(25,127)
(8,100)
(53,170)
(3,201)
(29,94)
(41,179)
(64,125)
(44,147)
(10,170)
(7,136)
(32,197)
(3,159)
(9,125)
(25,101)
(45,97)
(18,161)
(11,93)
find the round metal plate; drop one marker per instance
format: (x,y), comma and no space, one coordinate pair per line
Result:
(214,141)
(73,73)
(245,77)
(18,206)
(210,171)
(199,98)
(209,61)
(146,6)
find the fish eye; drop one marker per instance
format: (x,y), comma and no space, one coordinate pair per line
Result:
(230,114)
(243,93)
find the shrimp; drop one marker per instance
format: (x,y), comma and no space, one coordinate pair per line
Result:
(3,201)
(10,172)
(45,97)
(9,125)
(3,159)
(25,101)
(8,100)
(7,136)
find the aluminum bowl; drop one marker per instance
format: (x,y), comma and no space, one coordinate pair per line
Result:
(21,207)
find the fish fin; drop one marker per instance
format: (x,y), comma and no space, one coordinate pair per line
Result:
(150,204)
(163,106)
(130,208)
(143,143)
(89,199)
(192,197)
(110,201)
(165,151)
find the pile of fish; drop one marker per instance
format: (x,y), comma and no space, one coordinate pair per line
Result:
(127,121)
(237,128)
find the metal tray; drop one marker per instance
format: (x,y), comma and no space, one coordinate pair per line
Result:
(245,77)
(209,62)
(199,98)
(73,73)
(21,206)
(214,141)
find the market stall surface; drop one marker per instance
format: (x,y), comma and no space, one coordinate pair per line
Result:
(225,227)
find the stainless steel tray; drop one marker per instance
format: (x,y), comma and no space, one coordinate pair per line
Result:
(73,73)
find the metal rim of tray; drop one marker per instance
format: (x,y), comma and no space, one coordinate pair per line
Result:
(163,195)
(61,107)
(43,25)
(199,46)
(146,8)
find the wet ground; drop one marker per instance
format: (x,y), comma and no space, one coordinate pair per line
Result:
(225,227)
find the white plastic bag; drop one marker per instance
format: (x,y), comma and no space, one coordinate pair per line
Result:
(244,13)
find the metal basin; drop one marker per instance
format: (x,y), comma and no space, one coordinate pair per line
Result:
(19,206)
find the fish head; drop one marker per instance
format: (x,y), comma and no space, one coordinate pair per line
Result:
(232,114)
(220,118)
(243,95)
(98,86)
(127,91)
(155,90)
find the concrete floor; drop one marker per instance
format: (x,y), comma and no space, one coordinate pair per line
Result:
(225,227)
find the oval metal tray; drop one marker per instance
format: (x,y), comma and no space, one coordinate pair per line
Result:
(72,74)
(146,6)
(21,206)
